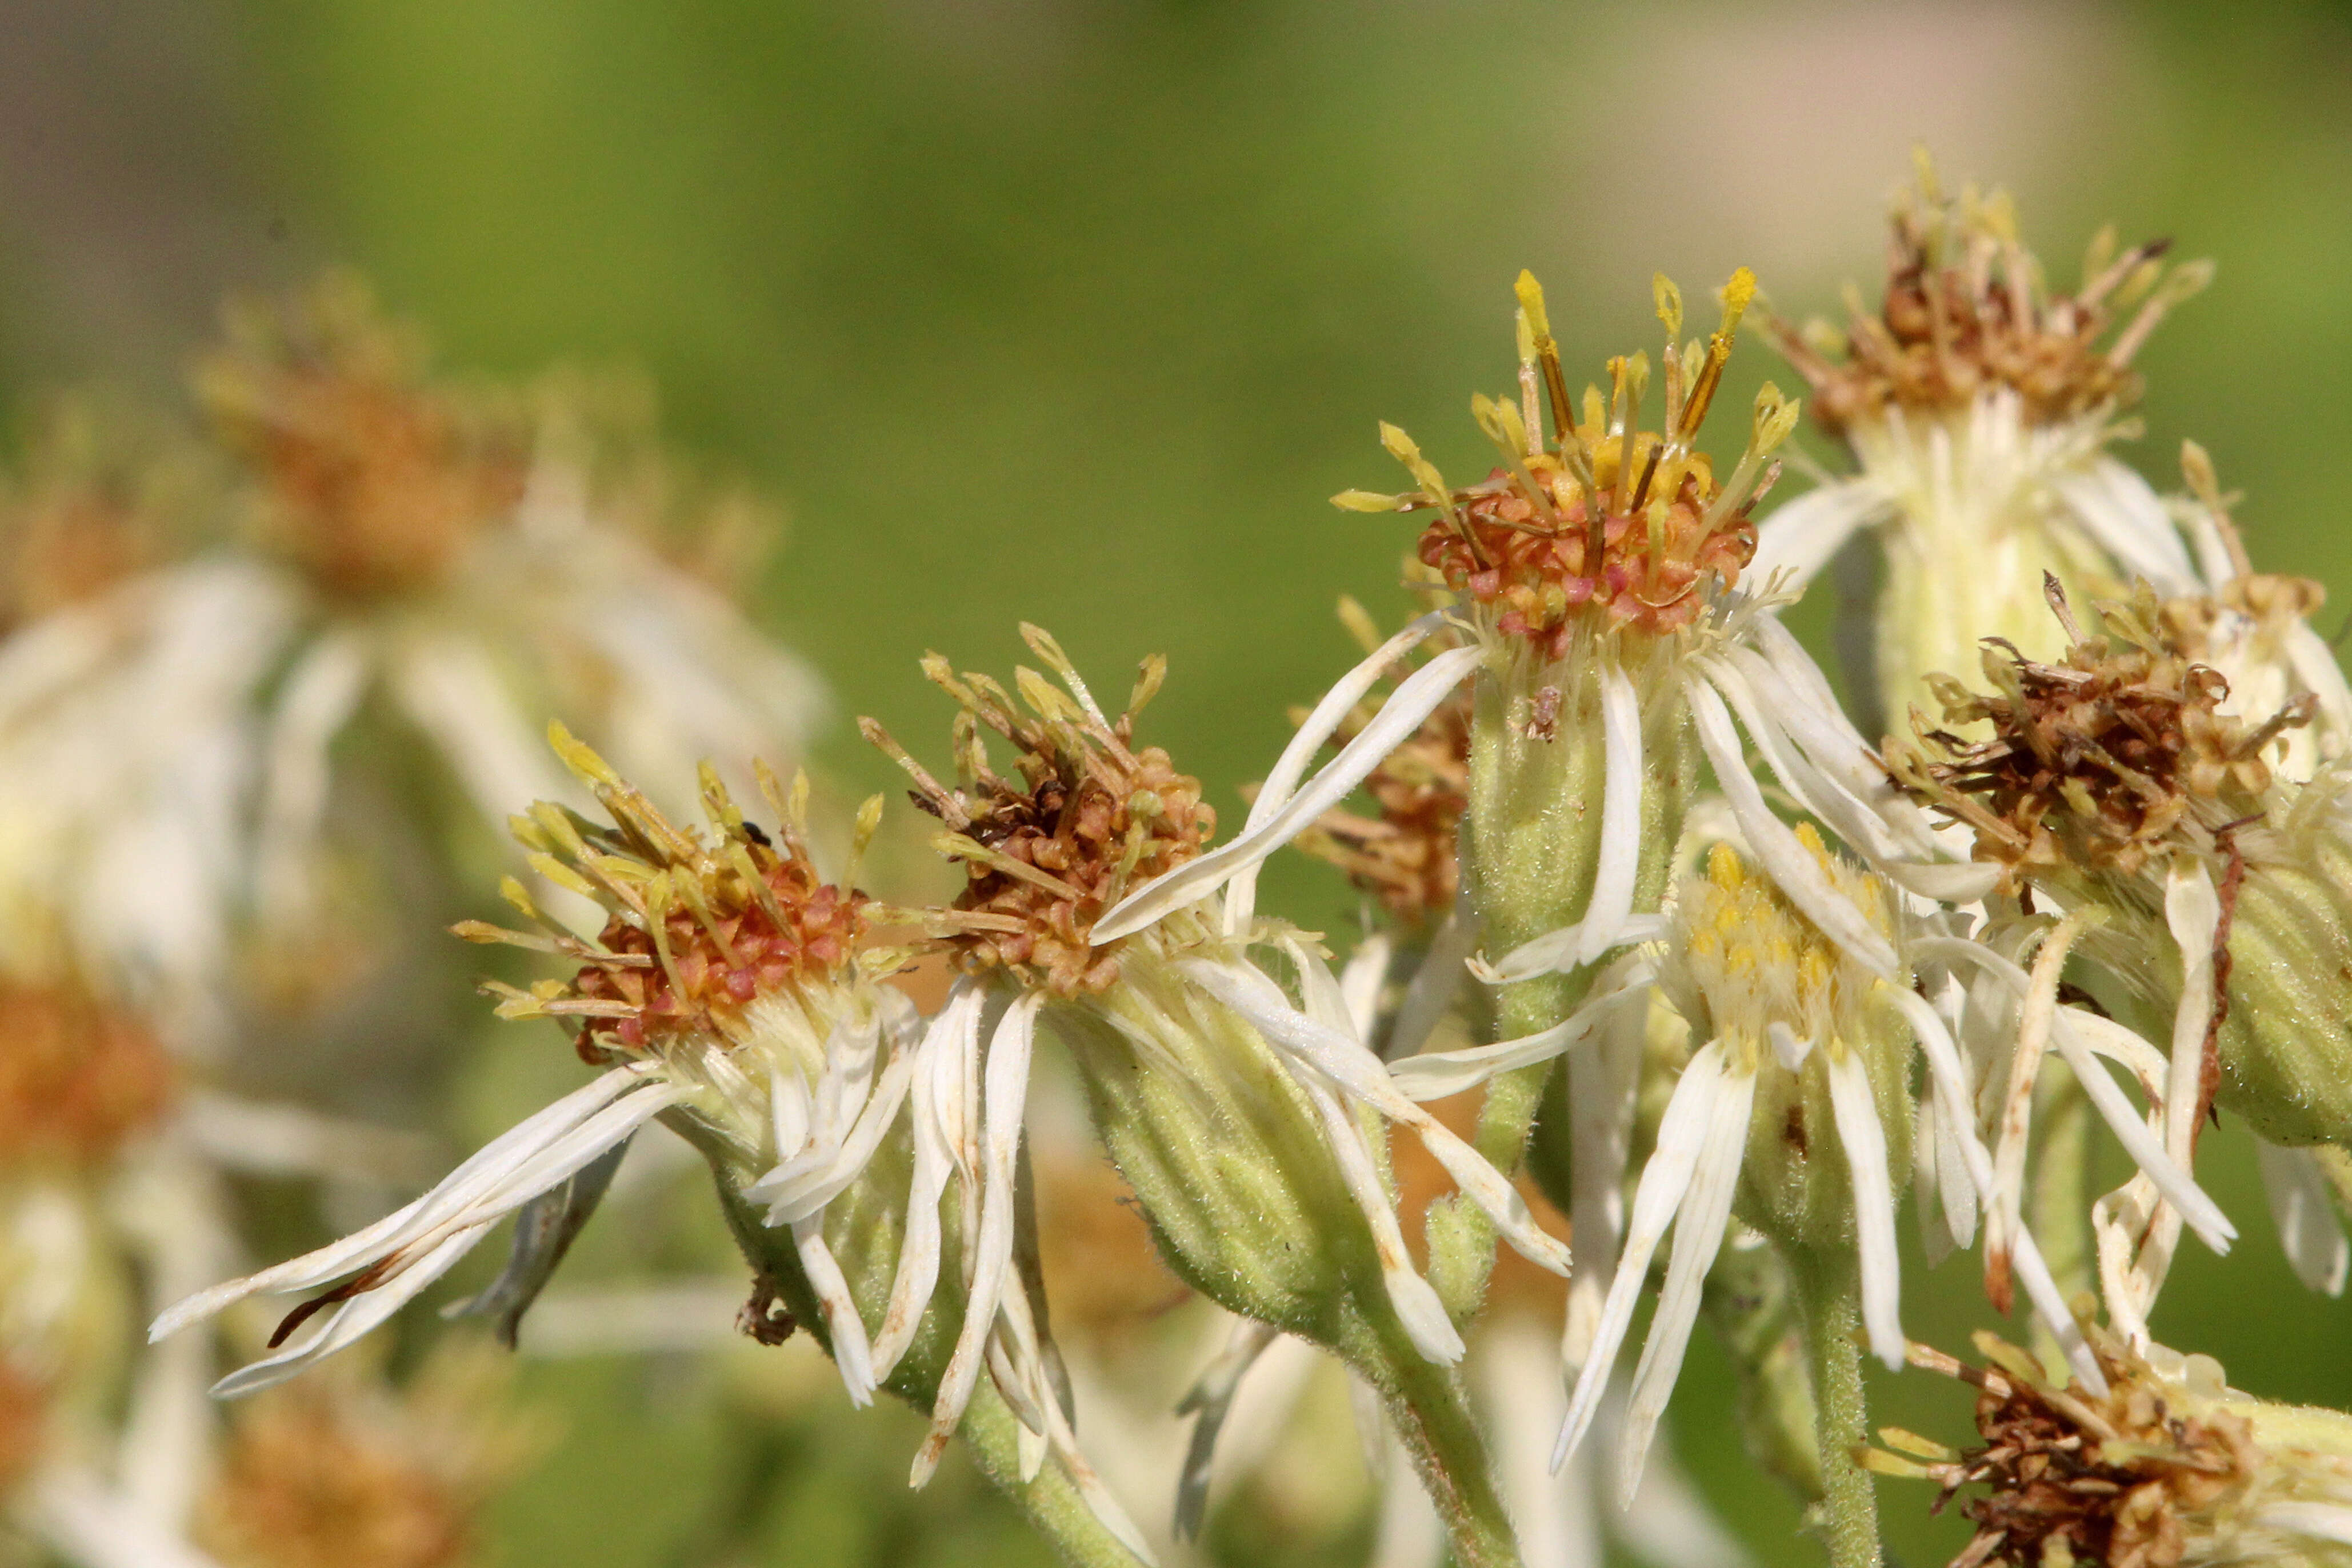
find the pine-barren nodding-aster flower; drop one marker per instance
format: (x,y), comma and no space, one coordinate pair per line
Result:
(2167,1468)
(2117,779)
(1236,1107)
(726,991)
(1594,569)
(1803,1046)
(1979,408)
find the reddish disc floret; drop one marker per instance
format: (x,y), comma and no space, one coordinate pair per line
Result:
(1543,580)
(714,970)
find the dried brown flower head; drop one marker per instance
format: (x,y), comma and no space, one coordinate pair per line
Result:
(1046,853)
(78,1078)
(698,929)
(2169,1466)
(1604,526)
(374,479)
(1967,311)
(1406,856)
(2098,762)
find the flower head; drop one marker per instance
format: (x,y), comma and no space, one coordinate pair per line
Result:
(1085,817)
(345,1472)
(1602,527)
(725,992)
(2106,761)
(375,480)
(1978,408)
(2166,1467)
(1965,311)
(79,1079)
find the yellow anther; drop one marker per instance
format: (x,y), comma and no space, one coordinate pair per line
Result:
(1737,296)
(1531,302)
(1669,300)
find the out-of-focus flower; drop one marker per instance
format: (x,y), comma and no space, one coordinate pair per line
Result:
(169,745)
(342,1471)
(1978,408)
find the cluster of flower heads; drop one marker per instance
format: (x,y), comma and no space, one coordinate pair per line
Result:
(1618,831)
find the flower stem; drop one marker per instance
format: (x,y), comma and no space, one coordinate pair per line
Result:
(1433,1419)
(1829,1293)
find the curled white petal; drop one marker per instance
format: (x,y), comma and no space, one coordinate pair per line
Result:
(1322,724)
(1005,1097)
(1416,698)
(1619,861)
(852,1351)
(479,1190)
(2041,1287)
(1698,1234)
(1436,1074)
(2119,510)
(1800,538)
(2308,1230)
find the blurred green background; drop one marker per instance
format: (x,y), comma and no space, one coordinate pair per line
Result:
(1075,311)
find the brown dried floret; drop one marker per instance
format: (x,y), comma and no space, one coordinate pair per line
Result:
(1967,310)
(1602,527)
(374,479)
(699,930)
(78,1078)
(1406,856)
(2102,762)
(2126,1480)
(1048,852)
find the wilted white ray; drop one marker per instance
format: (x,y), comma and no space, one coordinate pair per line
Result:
(1004,1094)
(1666,1178)
(1855,1109)
(1619,861)
(1437,1073)
(1951,1086)
(1416,698)
(1699,1225)
(1322,724)
(2303,1209)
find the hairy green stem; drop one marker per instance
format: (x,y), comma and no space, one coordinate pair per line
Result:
(1829,1295)
(1432,1415)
